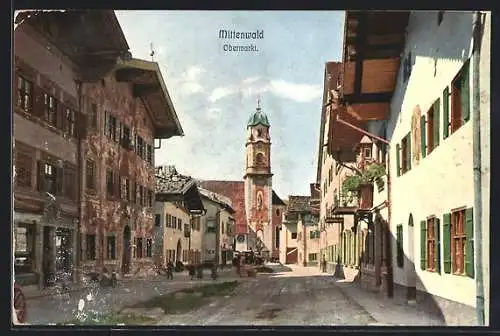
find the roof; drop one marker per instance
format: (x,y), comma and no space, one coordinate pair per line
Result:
(258,118)
(147,78)
(222,200)
(333,71)
(277,200)
(172,186)
(299,204)
(234,190)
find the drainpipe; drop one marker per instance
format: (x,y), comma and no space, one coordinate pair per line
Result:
(79,184)
(476,152)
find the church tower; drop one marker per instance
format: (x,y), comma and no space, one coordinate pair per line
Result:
(258,182)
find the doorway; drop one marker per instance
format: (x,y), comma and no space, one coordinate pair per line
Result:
(178,254)
(411,273)
(126,250)
(64,255)
(48,256)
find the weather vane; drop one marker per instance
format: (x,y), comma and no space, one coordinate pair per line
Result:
(152,54)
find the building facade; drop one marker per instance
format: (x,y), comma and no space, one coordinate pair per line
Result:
(178,212)
(126,111)
(217,227)
(432,139)
(49,122)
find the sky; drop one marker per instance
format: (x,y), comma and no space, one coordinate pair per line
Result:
(214,92)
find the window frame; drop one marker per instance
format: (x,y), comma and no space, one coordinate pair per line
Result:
(431,243)
(50,109)
(24,94)
(458,221)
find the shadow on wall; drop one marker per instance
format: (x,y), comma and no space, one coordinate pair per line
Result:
(430,42)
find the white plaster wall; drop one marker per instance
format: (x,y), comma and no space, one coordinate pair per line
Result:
(172,236)
(443,179)
(286,241)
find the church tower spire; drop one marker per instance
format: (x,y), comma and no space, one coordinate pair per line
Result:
(258,180)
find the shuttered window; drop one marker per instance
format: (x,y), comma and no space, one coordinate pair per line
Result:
(460,99)
(399,246)
(423,242)
(446,112)
(398,160)
(437,120)
(447,243)
(433,245)
(423,140)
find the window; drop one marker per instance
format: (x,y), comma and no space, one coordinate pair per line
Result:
(211,226)
(149,248)
(150,198)
(179,224)
(138,248)
(50,109)
(110,126)
(24,164)
(367,153)
(433,127)
(90,171)
(313,257)
(157,220)
(140,200)
(150,154)
(187,232)
(460,99)
(70,182)
(25,94)
(462,243)
(259,132)
(259,158)
(47,178)
(430,255)
(294,235)
(314,234)
(70,122)
(278,213)
(92,116)
(133,192)
(405,164)
(111,248)
(90,246)
(110,183)
(140,147)
(126,140)
(399,246)
(125,189)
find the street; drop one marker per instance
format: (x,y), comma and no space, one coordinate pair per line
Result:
(290,296)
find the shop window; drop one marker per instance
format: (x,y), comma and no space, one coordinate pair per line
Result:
(24,249)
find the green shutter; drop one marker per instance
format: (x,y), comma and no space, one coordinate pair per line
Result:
(437,253)
(464,91)
(446,112)
(408,150)
(447,243)
(469,252)
(398,163)
(436,122)
(423,243)
(423,144)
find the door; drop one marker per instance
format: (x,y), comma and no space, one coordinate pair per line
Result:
(178,255)
(48,256)
(291,255)
(126,250)
(411,273)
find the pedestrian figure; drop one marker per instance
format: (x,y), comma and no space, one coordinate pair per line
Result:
(192,271)
(170,270)
(323,264)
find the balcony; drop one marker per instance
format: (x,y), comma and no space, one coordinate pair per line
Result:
(345,204)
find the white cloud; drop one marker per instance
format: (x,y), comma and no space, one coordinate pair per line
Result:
(189,82)
(298,92)
(254,86)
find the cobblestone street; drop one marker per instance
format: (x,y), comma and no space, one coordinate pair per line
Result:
(302,296)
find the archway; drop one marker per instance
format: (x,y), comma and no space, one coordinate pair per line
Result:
(126,250)
(178,254)
(411,273)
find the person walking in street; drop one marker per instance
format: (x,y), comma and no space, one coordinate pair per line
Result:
(323,264)
(170,270)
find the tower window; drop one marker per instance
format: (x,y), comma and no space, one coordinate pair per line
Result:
(260,158)
(259,132)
